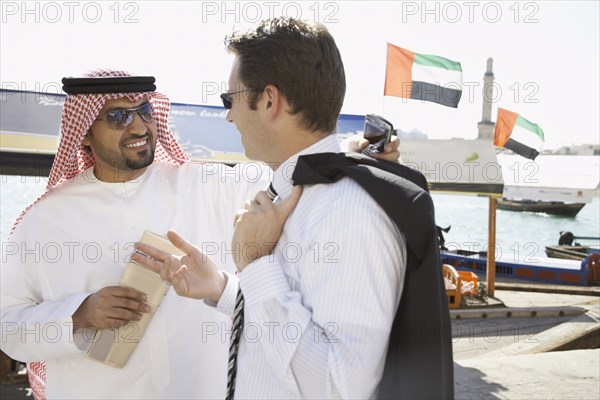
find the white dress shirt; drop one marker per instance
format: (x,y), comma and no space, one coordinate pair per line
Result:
(319,310)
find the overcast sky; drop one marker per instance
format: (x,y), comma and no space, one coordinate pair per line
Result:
(546,54)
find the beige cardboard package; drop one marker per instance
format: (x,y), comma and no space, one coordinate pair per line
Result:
(115,346)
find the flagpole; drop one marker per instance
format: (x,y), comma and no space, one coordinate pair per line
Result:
(491,248)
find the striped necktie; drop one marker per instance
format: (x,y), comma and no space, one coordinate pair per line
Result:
(238,326)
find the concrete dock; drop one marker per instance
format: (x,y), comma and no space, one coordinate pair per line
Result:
(534,342)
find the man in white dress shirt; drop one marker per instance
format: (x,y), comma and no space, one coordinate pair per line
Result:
(318,309)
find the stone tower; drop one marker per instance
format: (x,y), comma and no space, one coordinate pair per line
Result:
(486,126)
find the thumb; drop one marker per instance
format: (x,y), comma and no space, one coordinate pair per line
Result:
(285,207)
(357,144)
(180,242)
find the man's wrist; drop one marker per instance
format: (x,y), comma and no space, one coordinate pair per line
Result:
(220,285)
(226,303)
(253,252)
(79,315)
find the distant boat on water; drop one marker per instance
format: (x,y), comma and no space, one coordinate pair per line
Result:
(552,184)
(548,207)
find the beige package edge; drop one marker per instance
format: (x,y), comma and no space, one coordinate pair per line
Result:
(115,346)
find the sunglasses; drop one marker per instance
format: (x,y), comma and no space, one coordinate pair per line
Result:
(228,101)
(123,117)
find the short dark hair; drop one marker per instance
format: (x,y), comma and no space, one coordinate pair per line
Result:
(301,60)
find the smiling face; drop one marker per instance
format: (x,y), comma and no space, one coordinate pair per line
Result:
(123,154)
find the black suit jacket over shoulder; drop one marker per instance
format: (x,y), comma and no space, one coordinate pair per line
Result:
(419,361)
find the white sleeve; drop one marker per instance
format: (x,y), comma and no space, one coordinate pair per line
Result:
(226,303)
(242,181)
(231,187)
(33,329)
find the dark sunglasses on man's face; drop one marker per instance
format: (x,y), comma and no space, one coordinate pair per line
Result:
(228,101)
(123,117)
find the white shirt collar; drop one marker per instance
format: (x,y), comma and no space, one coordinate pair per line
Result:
(282,177)
(89,177)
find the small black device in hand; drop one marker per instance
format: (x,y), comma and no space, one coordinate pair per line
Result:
(377,131)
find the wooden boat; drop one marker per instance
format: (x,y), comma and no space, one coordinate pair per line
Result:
(543,270)
(567,252)
(565,263)
(548,207)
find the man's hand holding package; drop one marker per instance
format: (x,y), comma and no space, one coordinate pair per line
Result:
(110,307)
(194,275)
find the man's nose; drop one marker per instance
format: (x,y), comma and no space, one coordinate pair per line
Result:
(228,116)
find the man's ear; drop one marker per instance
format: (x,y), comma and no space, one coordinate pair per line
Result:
(86,139)
(273,100)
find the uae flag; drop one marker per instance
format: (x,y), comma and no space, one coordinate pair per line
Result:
(422,77)
(518,134)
